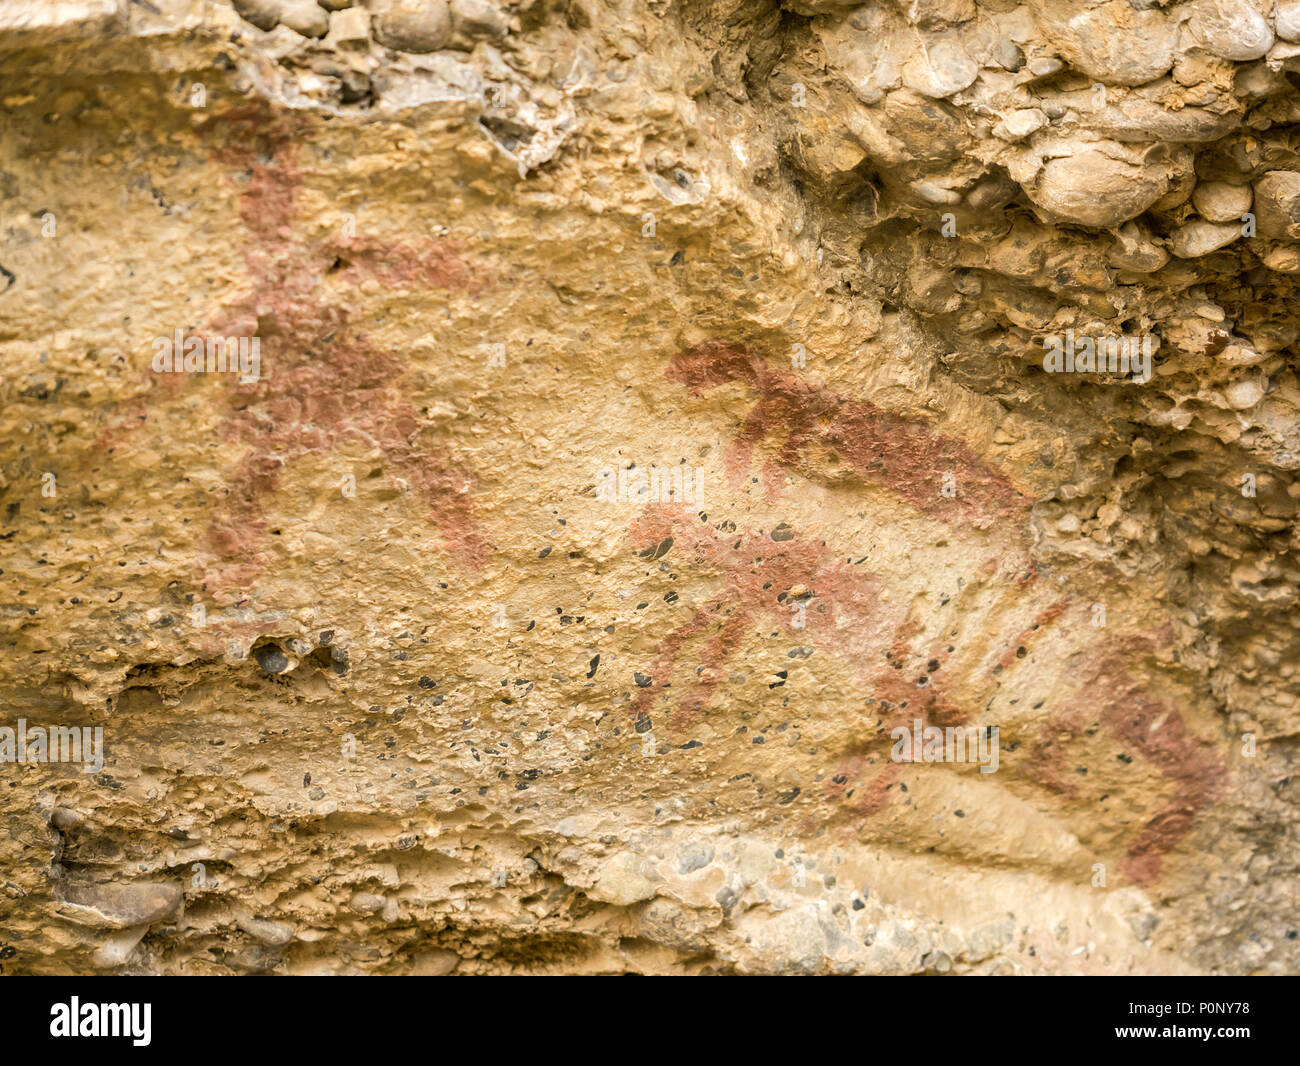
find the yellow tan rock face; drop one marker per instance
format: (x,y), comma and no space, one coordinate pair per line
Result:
(500,487)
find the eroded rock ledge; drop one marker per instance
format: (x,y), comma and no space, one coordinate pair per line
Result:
(399,670)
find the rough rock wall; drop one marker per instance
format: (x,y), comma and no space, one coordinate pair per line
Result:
(652,416)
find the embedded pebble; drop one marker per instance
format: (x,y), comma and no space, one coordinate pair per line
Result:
(1287,20)
(265,930)
(1020,124)
(305,17)
(478,18)
(941,69)
(126,905)
(1093,188)
(1242,395)
(1116,44)
(1217,201)
(414,25)
(692,857)
(1277,204)
(264,14)
(1135,251)
(1200,237)
(1232,29)
(349,28)
(271,659)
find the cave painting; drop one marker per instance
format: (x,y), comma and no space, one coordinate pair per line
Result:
(322,382)
(846,613)
(902,453)
(759,574)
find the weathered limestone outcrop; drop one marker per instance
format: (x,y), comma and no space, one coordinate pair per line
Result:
(630,418)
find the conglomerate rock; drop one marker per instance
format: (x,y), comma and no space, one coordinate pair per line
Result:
(655,407)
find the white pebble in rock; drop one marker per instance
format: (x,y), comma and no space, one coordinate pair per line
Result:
(622,881)
(265,930)
(435,963)
(117,949)
(1230,29)
(1287,23)
(1007,55)
(935,194)
(367,903)
(1242,395)
(1284,259)
(1020,124)
(1240,355)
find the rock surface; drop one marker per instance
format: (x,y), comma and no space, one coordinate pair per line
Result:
(650,416)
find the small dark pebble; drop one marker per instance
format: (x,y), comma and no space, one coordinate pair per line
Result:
(271,659)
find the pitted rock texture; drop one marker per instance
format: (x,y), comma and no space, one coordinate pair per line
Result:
(391,682)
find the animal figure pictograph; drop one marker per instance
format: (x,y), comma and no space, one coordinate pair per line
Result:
(905,456)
